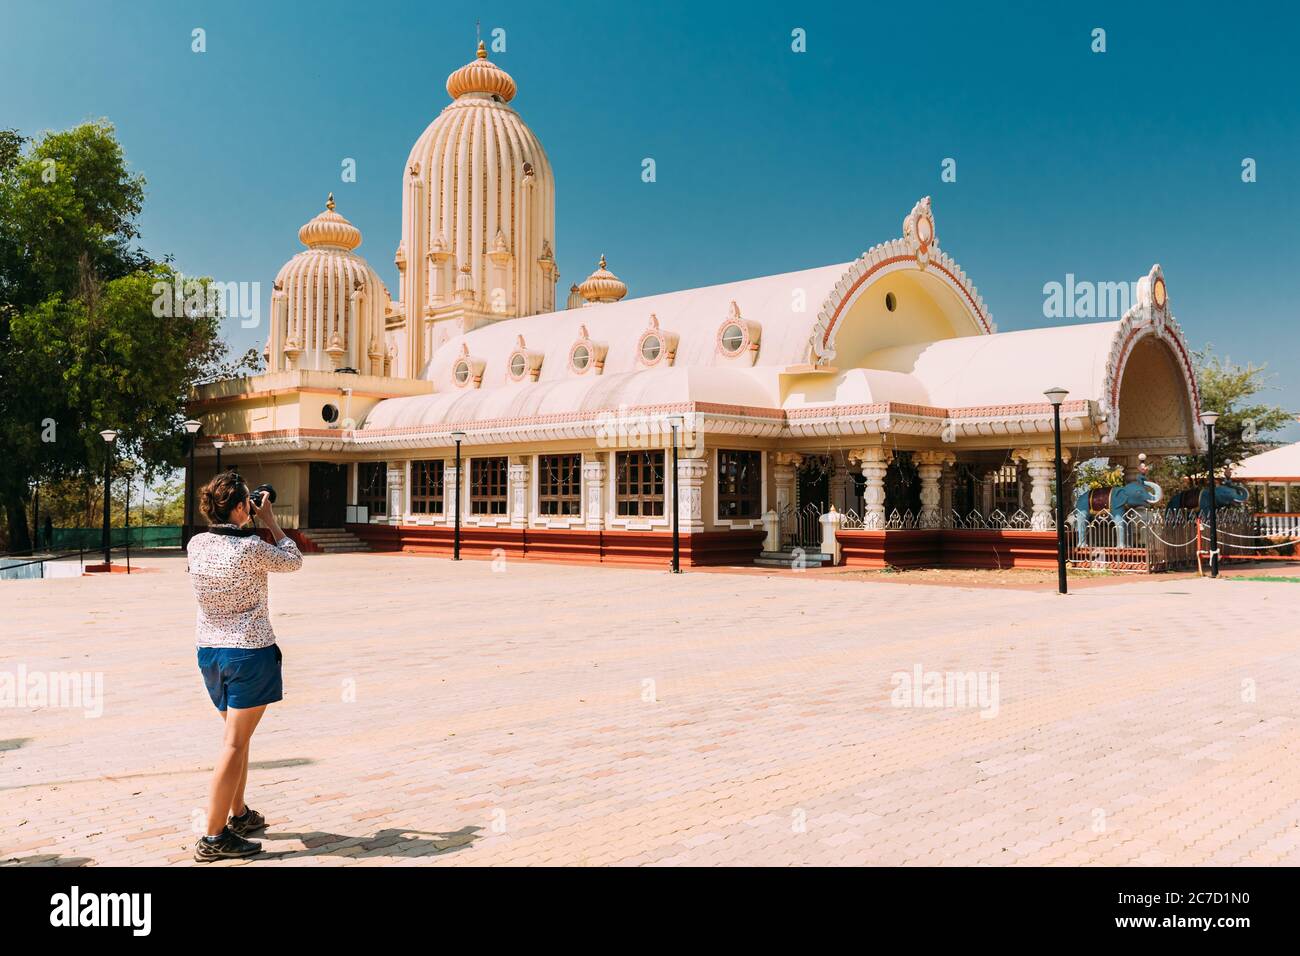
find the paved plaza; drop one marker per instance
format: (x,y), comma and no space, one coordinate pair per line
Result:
(529,713)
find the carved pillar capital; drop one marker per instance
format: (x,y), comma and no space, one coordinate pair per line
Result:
(874,461)
(1040,462)
(930,467)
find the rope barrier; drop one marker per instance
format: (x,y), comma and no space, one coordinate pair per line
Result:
(1248,537)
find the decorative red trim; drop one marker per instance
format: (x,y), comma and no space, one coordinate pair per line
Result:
(1126,350)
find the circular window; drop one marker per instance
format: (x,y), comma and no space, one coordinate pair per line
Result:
(330,413)
(651,347)
(580,358)
(733,337)
(891,303)
(461,372)
(517,365)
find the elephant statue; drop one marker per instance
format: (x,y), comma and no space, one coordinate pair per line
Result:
(1116,502)
(1198,499)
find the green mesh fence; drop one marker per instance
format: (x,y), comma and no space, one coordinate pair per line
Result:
(70,539)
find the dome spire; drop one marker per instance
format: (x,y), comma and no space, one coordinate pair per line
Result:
(602,285)
(330,229)
(481,75)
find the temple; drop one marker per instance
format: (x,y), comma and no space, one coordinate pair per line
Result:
(876,391)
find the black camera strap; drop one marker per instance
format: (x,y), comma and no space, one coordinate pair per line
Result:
(231,531)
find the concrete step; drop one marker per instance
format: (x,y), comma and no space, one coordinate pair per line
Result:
(334,540)
(788,559)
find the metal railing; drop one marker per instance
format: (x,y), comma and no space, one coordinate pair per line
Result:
(51,557)
(800,527)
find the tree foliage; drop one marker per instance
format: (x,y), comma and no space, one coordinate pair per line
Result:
(1246,421)
(82,345)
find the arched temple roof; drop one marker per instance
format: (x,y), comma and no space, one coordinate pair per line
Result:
(783,363)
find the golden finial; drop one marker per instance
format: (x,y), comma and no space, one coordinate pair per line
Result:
(602,260)
(329,203)
(482,50)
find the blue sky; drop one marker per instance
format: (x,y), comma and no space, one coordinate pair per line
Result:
(1068,161)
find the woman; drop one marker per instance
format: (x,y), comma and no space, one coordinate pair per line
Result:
(238,657)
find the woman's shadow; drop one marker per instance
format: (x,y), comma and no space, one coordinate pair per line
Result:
(404,843)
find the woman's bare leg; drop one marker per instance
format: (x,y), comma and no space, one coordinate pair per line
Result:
(232,764)
(238,804)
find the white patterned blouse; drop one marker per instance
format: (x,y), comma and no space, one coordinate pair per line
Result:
(228,568)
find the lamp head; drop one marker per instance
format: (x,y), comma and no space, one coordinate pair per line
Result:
(192,426)
(457,436)
(1056,395)
(109,435)
(1209,417)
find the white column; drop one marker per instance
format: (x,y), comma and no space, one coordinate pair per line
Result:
(593,492)
(930,466)
(1041,464)
(520,473)
(451,479)
(784,464)
(396,491)
(875,461)
(690,494)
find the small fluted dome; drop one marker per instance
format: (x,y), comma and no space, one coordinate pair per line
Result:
(328,304)
(602,285)
(575,300)
(329,229)
(481,75)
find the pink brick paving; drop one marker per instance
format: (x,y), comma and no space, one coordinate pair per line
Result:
(548,714)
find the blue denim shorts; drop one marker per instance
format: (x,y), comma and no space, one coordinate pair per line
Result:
(242,677)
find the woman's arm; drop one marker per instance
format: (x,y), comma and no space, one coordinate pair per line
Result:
(284,555)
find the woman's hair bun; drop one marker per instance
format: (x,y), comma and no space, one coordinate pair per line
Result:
(222,495)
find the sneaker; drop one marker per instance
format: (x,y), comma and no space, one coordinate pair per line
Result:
(227,846)
(250,822)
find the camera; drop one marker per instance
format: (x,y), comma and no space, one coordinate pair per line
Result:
(259,494)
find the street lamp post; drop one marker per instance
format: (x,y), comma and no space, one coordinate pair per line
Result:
(110,436)
(191,429)
(218,445)
(675,422)
(457,437)
(1056,396)
(1210,418)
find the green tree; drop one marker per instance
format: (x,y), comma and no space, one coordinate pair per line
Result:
(1246,420)
(83,343)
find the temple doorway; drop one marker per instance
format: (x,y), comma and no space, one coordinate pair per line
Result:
(327,495)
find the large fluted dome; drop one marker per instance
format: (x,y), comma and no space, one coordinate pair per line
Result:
(478,192)
(327,310)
